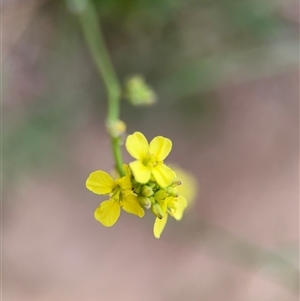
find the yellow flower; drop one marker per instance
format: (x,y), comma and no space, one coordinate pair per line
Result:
(150,159)
(173,206)
(121,196)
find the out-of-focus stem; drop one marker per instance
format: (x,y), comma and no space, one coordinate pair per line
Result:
(90,26)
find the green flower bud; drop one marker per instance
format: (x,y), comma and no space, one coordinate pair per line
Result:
(152,199)
(175,184)
(157,210)
(144,202)
(147,191)
(138,188)
(151,184)
(160,195)
(137,92)
(117,128)
(172,191)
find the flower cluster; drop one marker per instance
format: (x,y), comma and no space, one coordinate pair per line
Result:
(148,184)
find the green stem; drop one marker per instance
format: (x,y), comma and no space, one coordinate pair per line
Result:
(89,21)
(118,155)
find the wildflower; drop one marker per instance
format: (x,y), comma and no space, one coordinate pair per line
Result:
(150,158)
(173,206)
(120,196)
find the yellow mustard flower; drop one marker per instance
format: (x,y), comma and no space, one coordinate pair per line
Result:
(121,196)
(173,206)
(149,159)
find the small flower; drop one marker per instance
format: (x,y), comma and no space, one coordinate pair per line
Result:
(121,196)
(173,206)
(150,159)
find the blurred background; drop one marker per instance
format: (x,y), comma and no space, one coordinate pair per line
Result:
(226,75)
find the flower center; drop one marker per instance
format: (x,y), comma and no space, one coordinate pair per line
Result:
(149,161)
(172,204)
(115,192)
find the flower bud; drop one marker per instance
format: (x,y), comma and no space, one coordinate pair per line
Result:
(175,184)
(172,192)
(157,210)
(137,92)
(117,128)
(161,195)
(151,184)
(152,199)
(144,202)
(147,191)
(137,188)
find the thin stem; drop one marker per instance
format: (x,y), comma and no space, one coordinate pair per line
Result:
(118,155)
(89,21)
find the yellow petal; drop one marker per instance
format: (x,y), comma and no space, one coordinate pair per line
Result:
(100,182)
(160,148)
(131,205)
(137,146)
(125,182)
(180,206)
(164,205)
(126,169)
(159,225)
(163,175)
(140,172)
(108,213)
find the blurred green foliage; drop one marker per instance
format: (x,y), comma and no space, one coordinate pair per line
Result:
(184,49)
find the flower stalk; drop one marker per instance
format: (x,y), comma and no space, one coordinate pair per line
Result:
(91,30)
